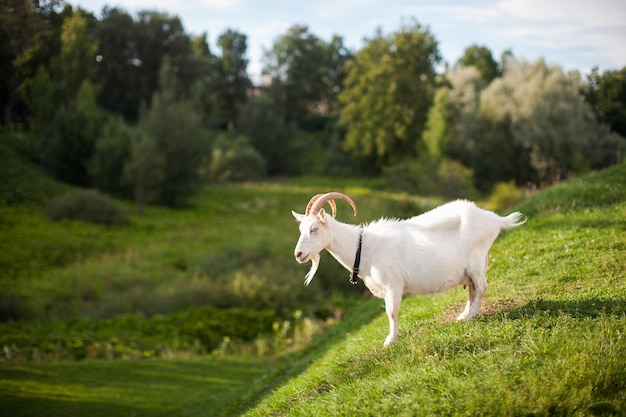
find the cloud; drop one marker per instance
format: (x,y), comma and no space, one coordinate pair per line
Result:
(584,13)
(223,4)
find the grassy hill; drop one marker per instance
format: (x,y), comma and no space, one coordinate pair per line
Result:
(550,339)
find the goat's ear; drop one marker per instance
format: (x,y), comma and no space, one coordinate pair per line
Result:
(321,215)
(297,216)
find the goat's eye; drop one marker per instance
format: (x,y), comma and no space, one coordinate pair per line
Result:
(314,228)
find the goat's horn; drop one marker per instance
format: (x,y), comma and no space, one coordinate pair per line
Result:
(318,202)
(314,199)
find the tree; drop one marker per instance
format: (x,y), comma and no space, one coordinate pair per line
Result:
(64,107)
(481,58)
(75,64)
(487,148)
(118,64)
(68,141)
(260,122)
(306,73)
(387,92)
(29,38)
(232,79)
(547,115)
(180,139)
(607,96)
(111,155)
(145,170)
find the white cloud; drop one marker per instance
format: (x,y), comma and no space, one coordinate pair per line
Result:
(223,4)
(585,13)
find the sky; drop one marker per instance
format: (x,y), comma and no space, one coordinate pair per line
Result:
(573,34)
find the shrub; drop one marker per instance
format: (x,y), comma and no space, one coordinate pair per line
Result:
(504,196)
(446,178)
(234,159)
(86,205)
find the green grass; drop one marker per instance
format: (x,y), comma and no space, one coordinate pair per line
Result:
(200,386)
(549,339)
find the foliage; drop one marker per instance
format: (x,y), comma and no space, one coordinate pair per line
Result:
(480,58)
(111,154)
(260,122)
(29,38)
(144,170)
(233,159)
(504,196)
(21,183)
(232,81)
(180,143)
(387,92)
(133,336)
(607,95)
(487,148)
(548,116)
(306,74)
(445,177)
(68,140)
(86,205)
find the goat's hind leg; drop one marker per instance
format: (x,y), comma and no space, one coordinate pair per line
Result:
(480,288)
(392,308)
(470,300)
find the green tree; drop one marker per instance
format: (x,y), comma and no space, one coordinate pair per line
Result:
(145,170)
(547,115)
(118,65)
(232,80)
(175,126)
(387,92)
(260,122)
(481,58)
(607,96)
(436,135)
(487,148)
(306,73)
(68,141)
(64,107)
(111,155)
(29,38)
(75,64)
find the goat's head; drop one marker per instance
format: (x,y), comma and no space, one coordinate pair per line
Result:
(315,233)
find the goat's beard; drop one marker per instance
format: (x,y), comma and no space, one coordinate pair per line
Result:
(315,263)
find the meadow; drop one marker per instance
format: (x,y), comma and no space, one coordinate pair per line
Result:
(202,311)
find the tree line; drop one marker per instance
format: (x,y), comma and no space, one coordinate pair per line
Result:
(138,108)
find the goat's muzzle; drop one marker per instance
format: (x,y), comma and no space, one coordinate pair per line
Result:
(300,257)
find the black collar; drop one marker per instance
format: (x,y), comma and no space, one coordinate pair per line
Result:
(357,261)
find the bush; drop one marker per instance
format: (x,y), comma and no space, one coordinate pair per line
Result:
(86,205)
(505,195)
(445,178)
(234,159)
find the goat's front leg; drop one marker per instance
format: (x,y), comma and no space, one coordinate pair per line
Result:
(393,299)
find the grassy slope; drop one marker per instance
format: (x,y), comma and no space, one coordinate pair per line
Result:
(550,339)
(189,387)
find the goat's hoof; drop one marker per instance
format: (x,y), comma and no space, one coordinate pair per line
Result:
(389,341)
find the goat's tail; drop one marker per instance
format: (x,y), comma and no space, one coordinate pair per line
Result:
(512,220)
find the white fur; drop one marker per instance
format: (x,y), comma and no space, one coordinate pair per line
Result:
(426,254)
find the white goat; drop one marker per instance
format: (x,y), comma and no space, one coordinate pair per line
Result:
(426,254)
